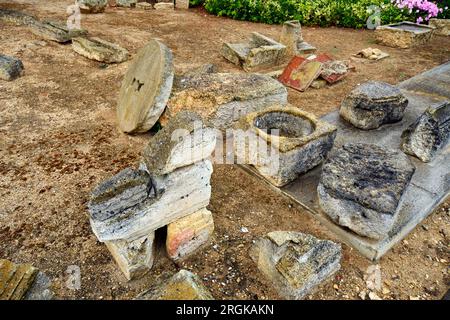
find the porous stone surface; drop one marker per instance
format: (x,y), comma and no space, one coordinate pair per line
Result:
(442,26)
(183,141)
(146,88)
(296,263)
(17,17)
(173,196)
(404,34)
(187,234)
(302,142)
(334,70)
(223,98)
(123,191)
(362,185)
(15,279)
(40,289)
(260,51)
(182,4)
(184,285)
(373,104)
(134,257)
(429,134)
(144,6)
(180,79)
(291,35)
(92,6)
(99,50)
(126,3)
(372,54)
(56,31)
(10,68)
(164,6)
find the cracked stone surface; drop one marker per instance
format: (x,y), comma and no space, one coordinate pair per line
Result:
(295,263)
(362,185)
(99,50)
(146,88)
(373,104)
(429,134)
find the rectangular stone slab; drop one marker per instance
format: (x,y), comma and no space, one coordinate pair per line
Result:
(430,184)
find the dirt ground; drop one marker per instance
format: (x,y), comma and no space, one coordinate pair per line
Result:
(59,138)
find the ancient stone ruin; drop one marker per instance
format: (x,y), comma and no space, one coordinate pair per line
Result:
(92,6)
(291,37)
(296,263)
(373,104)
(362,185)
(10,68)
(404,34)
(429,134)
(171,188)
(99,50)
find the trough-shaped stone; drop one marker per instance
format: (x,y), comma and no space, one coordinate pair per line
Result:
(223,98)
(294,262)
(404,34)
(373,104)
(297,142)
(258,52)
(99,50)
(362,185)
(429,134)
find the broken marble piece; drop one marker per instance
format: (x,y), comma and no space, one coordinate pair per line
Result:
(442,26)
(296,263)
(404,34)
(429,134)
(174,196)
(182,142)
(223,98)
(10,68)
(164,6)
(258,52)
(92,6)
(146,88)
(125,190)
(300,142)
(126,3)
(184,285)
(373,104)
(372,54)
(362,186)
(188,234)
(99,50)
(291,37)
(56,31)
(134,257)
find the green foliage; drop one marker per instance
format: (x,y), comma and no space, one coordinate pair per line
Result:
(194,3)
(342,13)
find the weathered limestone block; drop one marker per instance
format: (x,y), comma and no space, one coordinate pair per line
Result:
(442,26)
(164,6)
(182,4)
(180,79)
(125,190)
(134,257)
(146,88)
(300,142)
(291,37)
(184,141)
(92,6)
(429,134)
(184,285)
(173,196)
(258,52)
(144,6)
(10,68)
(187,234)
(56,31)
(223,98)
(99,50)
(23,282)
(17,17)
(362,185)
(404,34)
(294,262)
(126,3)
(373,104)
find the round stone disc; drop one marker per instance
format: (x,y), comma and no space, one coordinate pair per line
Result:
(146,88)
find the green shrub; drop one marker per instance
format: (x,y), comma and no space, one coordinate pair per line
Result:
(194,3)
(343,13)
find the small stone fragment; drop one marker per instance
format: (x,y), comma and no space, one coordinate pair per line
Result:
(182,4)
(184,285)
(373,104)
(372,54)
(134,257)
(99,50)
(334,70)
(361,187)
(144,6)
(164,6)
(187,234)
(92,6)
(296,263)
(429,134)
(184,141)
(10,68)
(15,279)
(318,84)
(126,3)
